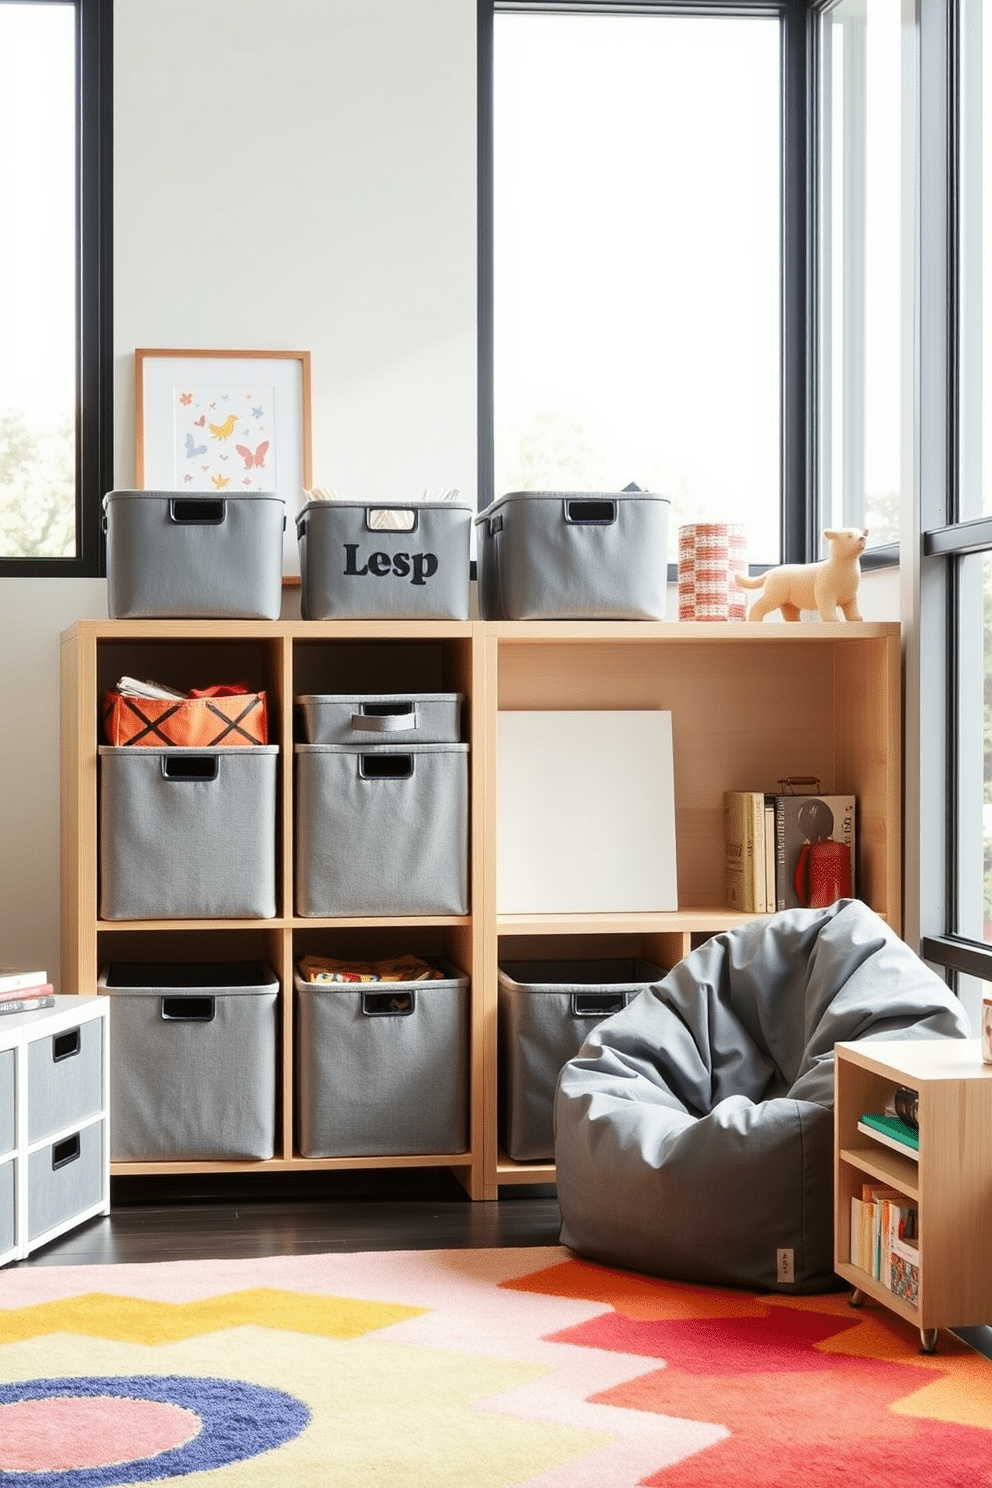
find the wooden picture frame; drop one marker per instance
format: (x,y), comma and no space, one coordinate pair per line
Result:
(231,421)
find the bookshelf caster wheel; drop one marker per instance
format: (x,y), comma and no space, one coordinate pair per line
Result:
(856,1299)
(928,1340)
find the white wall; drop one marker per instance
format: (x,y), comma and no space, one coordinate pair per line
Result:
(287,176)
(298,175)
(302,175)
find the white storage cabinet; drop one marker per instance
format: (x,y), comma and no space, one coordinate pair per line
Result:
(54,1122)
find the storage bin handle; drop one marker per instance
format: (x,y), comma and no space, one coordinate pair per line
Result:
(391,519)
(583,511)
(65,1152)
(385,766)
(65,1045)
(190,766)
(188,1009)
(188,513)
(596,1004)
(388,1004)
(385,718)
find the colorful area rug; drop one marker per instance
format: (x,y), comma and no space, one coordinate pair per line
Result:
(468,1369)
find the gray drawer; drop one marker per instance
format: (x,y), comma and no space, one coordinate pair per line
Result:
(65,1078)
(65,1179)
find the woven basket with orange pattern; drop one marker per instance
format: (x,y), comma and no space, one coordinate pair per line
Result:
(197,722)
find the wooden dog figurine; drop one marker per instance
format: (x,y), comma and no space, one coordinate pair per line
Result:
(825,587)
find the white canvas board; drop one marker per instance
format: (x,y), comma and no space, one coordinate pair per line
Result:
(585,813)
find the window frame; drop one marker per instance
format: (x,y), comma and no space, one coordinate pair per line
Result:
(800,511)
(94,296)
(945,538)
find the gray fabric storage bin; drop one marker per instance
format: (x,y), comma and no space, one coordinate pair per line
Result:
(382,831)
(65,1178)
(573,555)
(382,1067)
(194,553)
(65,1078)
(546,1010)
(8,1204)
(352,568)
(382,718)
(194,1067)
(187,833)
(8,1096)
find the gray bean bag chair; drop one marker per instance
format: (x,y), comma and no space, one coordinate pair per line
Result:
(694,1129)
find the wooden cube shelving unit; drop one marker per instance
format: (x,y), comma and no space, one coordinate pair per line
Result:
(750,704)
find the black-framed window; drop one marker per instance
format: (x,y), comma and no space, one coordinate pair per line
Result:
(956,523)
(805,501)
(56,455)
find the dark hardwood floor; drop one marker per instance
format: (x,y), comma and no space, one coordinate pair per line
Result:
(195,1218)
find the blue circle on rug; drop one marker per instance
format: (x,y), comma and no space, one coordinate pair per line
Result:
(238,1420)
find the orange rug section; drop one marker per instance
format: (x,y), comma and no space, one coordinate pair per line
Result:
(811,1391)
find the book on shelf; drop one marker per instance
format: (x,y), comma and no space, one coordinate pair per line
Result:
(891,1131)
(876,1196)
(17,979)
(770,853)
(897,1222)
(904,1271)
(744,848)
(26,994)
(26,1004)
(815,842)
(880,1218)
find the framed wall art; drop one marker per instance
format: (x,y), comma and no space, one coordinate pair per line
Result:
(230,421)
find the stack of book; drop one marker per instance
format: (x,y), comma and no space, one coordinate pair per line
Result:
(890,1130)
(884,1240)
(786,851)
(23,991)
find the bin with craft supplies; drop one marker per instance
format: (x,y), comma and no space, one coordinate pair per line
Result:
(187,833)
(235,720)
(545,1011)
(579,555)
(381,830)
(382,718)
(382,1066)
(195,1057)
(409,560)
(199,554)
(65,1178)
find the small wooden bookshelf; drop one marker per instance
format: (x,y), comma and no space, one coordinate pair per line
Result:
(949,1179)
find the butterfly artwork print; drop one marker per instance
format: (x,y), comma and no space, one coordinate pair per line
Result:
(253,459)
(215,425)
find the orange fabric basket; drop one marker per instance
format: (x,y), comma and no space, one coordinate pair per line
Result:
(197,722)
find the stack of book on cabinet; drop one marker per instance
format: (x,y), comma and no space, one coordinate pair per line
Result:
(884,1239)
(23,991)
(786,850)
